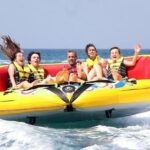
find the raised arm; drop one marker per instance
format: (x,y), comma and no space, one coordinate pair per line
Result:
(137,49)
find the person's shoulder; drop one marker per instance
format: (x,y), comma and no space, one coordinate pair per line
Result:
(11,65)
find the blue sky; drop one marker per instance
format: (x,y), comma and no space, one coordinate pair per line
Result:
(75,23)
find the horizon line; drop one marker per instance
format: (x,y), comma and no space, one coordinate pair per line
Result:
(81,48)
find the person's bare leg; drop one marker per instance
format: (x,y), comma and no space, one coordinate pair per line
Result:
(116,75)
(85,69)
(91,75)
(24,85)
(104,72)
(48,80)
(98,71)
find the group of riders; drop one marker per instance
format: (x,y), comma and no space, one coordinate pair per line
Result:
(95,67)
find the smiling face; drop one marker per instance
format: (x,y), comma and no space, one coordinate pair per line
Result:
(20,58)
(115,54)
(92,53)
(35,60)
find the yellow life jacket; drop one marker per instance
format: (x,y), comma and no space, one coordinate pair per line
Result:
(22,73)
(37,73)
(116,64)
(91,62)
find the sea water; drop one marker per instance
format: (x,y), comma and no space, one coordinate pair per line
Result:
(126,133)
(59,55)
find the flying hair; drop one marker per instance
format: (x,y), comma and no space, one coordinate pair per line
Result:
(9,47)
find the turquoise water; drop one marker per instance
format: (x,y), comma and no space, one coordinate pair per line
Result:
(127,133)
(59,55)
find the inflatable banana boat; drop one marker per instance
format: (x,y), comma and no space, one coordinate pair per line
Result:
(77,101)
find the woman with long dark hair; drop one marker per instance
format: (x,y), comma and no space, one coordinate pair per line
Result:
(17,70)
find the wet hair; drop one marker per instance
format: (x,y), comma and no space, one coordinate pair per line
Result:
(87,47)
(30,55)
(115,47)
(72,51)
(9,47)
